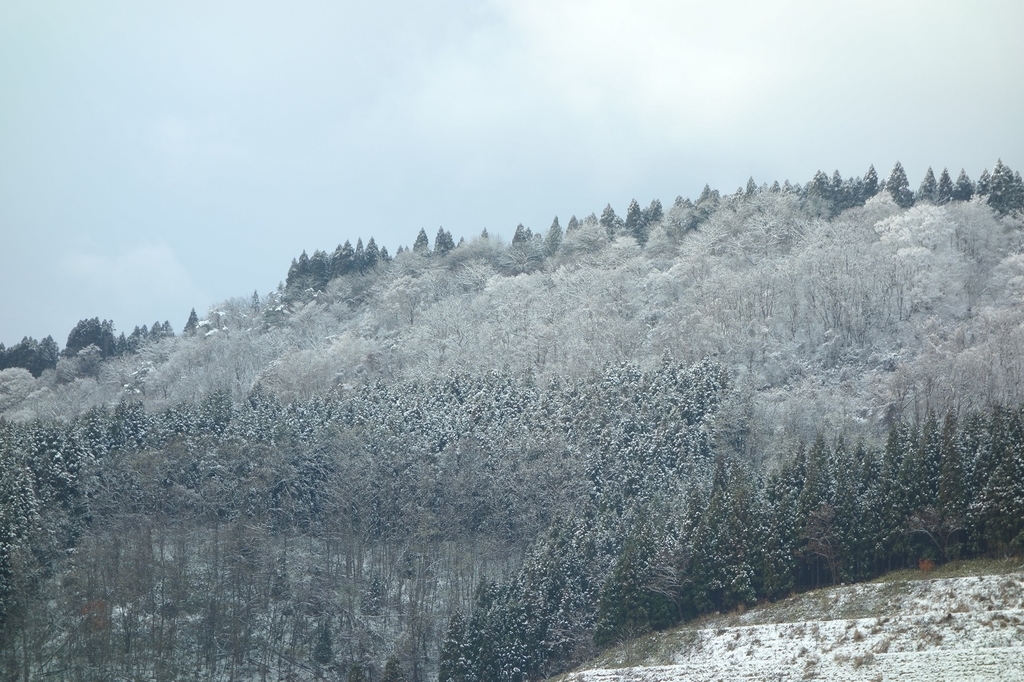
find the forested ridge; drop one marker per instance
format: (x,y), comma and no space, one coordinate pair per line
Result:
(482,461)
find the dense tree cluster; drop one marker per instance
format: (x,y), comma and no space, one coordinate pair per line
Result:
(484,461)
(35,356)
(937,491)
(368,488)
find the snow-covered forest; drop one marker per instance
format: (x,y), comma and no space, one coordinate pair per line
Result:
(484,461)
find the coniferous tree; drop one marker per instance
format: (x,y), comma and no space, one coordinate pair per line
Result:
(963,190)
(453,664)
(192,324)
(899,188)
(443,242)
(929,188)
(92,332)
(572,225)
(653,214)
(983,187)
(372,255)
(1003,193)
(554,238)
(611,222)
(820,187)
(522,235)
(870,183)
(343,260)
(318,271)
(944,190)
(634,223)
(360,256)
(422,243)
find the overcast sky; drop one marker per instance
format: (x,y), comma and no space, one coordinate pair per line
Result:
(156,157)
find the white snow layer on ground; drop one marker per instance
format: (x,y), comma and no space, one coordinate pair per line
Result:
(927,630)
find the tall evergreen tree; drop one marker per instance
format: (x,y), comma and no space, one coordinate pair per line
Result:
(653,214)
(454,666)
(963,190)
(92,332)
(572,225)
(554,238)
(372,255)
(899,188)
(192,325)
(635,224)
(422,243)
(360,255)
(443,242)
(944,190)
(929,188)
(983,187)
(343,260)
(610,222)
(870,183)
(1004,195)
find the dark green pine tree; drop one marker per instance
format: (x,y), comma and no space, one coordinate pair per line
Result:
(963,190)
(360,258)
(522,235)
(318,272)
(453,663)
(899,188)
(372,255)
(627,606)
(870,186)
(838,192)
(422,243)
(1004,194)
(820,187)
(343,260)
(653,214)
(572,225)
(984,184)
(443,242)
(45,357)
(297,273)
(944,190)
(1002,497)
(554,238)
(635,224)
(928,190)
(610,222)
(192,324)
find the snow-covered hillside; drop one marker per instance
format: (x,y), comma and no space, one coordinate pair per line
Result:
(967,628)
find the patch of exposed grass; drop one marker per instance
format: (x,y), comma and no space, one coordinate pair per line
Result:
(660,648)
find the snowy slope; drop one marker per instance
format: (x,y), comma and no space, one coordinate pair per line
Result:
(942,629)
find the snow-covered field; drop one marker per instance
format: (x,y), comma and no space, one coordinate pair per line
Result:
(941,629)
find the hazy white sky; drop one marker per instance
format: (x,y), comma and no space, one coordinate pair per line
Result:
(156,157)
